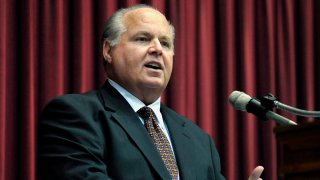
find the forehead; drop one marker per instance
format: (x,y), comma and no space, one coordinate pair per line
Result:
(146,19)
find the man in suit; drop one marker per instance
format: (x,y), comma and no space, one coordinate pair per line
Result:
(102,135)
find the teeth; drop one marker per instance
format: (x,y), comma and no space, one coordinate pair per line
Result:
(153,65)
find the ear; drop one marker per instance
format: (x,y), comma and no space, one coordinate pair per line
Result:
(107,52)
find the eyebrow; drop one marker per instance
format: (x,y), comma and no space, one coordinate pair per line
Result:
(146,33)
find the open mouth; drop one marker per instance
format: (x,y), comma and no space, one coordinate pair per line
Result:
(153,66)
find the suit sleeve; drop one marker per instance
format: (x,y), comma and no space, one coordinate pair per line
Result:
(215,160)
(70,141)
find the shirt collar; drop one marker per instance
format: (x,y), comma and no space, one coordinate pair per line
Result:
(134,102)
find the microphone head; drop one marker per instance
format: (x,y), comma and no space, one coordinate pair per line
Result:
(239,100)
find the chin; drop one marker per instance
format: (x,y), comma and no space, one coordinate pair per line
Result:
(155,84)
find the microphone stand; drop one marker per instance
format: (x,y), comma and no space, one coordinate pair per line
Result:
(270,101)
(296,111)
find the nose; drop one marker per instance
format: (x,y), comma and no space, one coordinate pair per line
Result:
(155,47)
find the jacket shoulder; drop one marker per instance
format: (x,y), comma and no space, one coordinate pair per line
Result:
(91,98)
(193,127)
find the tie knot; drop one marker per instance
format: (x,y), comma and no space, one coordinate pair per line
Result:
(145,112)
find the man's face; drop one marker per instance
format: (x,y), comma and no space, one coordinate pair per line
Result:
(142,60)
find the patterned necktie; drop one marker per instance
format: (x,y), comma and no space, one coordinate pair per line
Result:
(160,140)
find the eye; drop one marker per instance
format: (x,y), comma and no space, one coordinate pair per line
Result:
(165,44)
(141,39)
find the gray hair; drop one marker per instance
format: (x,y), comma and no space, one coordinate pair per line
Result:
(115,27)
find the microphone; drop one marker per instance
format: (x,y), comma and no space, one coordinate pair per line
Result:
(241,101)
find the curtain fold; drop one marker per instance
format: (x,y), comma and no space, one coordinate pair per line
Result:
(8,116)
(48,48)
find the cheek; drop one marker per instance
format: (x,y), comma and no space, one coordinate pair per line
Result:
(169,64)
(133,58)
(125,61)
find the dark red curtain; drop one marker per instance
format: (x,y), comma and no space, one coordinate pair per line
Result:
(52,47)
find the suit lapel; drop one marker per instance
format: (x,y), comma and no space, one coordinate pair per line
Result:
(182,144)
(129,120)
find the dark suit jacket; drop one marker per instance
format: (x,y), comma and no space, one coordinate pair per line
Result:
(97,135)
